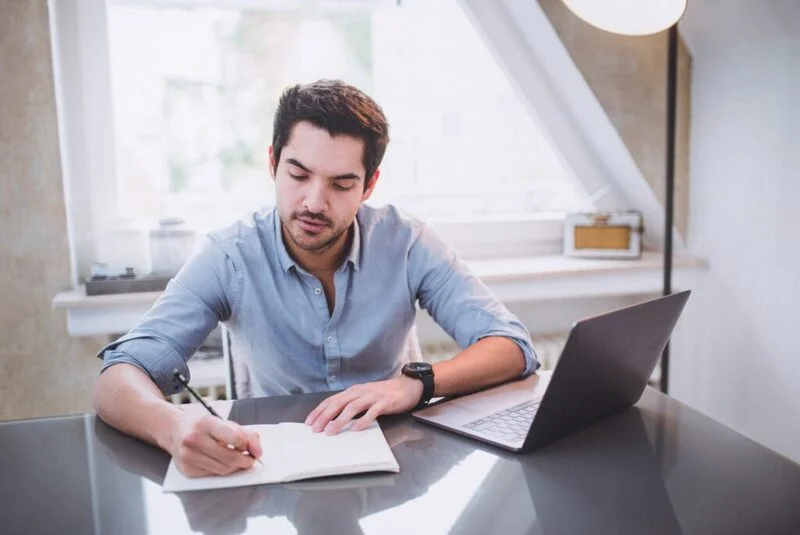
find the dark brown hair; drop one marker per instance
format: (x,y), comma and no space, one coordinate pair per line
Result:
(340,109)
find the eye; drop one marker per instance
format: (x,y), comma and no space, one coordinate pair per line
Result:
(297,177)
(339,187)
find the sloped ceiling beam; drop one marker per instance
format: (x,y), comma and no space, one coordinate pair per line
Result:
(537,63)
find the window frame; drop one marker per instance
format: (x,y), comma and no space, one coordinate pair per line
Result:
(529,50)
(81,66)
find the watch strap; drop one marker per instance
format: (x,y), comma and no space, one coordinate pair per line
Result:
(427,390)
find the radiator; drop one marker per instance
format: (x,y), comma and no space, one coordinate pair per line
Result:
(548,348)
(208,393)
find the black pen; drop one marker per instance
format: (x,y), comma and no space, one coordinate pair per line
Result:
(185,382)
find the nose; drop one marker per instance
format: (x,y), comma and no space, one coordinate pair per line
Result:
(315,200)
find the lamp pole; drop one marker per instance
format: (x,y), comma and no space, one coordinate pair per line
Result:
(629,17)
(669,200)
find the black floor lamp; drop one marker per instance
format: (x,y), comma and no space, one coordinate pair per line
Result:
(669,197)
(635,17)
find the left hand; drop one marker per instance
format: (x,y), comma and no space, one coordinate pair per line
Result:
(392,396)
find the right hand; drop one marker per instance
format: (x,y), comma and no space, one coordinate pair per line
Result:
(200,446)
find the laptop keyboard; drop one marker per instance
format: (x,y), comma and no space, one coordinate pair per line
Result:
(510,424)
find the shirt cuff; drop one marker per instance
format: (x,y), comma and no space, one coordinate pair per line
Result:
(160,361)
(532,362)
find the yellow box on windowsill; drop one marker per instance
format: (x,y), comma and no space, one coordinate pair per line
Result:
(603,235)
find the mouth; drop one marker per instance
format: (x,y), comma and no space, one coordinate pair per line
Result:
(308,224)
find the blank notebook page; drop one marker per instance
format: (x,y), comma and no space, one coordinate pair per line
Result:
(292,451)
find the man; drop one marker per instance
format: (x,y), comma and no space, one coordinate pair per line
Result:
(319,294)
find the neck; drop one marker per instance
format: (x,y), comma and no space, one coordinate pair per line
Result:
(325,260)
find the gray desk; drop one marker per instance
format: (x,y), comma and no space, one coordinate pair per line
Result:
(658,468)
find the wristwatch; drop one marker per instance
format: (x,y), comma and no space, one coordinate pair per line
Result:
(424,372)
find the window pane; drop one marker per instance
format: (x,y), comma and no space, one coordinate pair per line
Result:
(195,89)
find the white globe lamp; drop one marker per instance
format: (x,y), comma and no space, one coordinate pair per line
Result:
(629,17)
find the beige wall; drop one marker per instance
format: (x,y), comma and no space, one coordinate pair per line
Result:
(42,371)
(628,76)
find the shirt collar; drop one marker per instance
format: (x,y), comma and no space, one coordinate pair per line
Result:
(287,262)
(354,256)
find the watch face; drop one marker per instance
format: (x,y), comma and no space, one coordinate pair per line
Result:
(418,367)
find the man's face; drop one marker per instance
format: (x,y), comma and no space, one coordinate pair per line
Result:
(319,185)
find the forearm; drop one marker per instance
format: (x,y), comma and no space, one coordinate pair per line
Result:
(489,361)
(127,399)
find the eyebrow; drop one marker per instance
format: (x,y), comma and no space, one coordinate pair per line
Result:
(346,176)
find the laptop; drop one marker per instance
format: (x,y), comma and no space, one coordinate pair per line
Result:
(603,369)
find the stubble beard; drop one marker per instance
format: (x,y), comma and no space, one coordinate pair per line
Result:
(314,244)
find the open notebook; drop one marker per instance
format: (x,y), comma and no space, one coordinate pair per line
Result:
(292,451)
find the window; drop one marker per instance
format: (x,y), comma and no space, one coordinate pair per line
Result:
(165,109)
(194,87)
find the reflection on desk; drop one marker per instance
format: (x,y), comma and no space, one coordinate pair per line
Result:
(329,505)
(658,468)
(603,480)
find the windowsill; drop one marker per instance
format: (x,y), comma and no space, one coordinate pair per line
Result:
(512,280)
(556,277)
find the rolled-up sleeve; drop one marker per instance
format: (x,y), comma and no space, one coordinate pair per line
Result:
(202,294)
(459,301)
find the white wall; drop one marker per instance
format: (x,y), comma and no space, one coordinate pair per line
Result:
(739,339)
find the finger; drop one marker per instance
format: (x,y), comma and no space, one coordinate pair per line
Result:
(245,442)
(348,413)
(314,414)
(227,432)
(223,453)
(195,463)
(324,405)
(248,458)
(237,440)
(254,444)
(190,470)
(332,409)
(370,416)
(207,439)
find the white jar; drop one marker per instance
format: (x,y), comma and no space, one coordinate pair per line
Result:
(171,244)
(122,244)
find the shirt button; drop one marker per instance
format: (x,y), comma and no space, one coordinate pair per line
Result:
(317,291)
(330,339)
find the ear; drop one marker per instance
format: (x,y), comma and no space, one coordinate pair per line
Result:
(371,187)
(272,164)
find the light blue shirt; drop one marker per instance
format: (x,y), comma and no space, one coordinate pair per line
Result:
(278,317)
